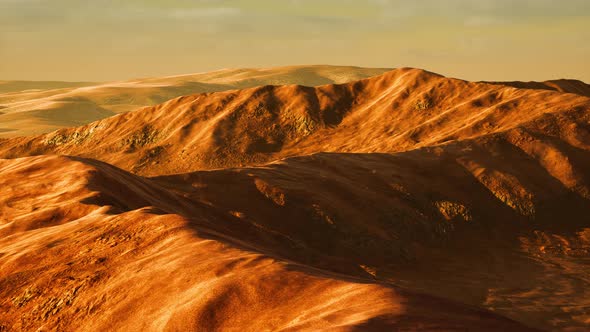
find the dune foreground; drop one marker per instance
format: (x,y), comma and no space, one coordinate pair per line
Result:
(406,201)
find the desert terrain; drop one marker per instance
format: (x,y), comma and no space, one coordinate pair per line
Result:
(295,199)
(28,107)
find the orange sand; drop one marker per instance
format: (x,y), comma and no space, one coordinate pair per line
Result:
(406,201)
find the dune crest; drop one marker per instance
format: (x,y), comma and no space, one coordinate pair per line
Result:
(401,110)
(39,107)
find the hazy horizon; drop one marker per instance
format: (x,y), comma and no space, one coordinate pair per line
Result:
(67,40)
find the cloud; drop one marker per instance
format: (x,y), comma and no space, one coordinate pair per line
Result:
(482,21)
(193,13)
(488,8)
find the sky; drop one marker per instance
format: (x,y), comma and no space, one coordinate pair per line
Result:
(103,40)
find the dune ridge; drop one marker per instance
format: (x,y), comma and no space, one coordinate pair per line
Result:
(401,110)
(39,107)
(563,85)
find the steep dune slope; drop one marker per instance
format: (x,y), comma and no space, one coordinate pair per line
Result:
(54,105)
(118,262)
(398,111)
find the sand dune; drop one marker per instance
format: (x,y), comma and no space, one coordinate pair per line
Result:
(128,249)
(563,85)
(405,201)
(30,104)
(33,86)
(401,110)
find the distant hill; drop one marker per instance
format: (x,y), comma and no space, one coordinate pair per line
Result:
(39,107)
(563,85)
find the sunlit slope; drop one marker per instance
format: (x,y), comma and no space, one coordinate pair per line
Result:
(38,107)
(401,110)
